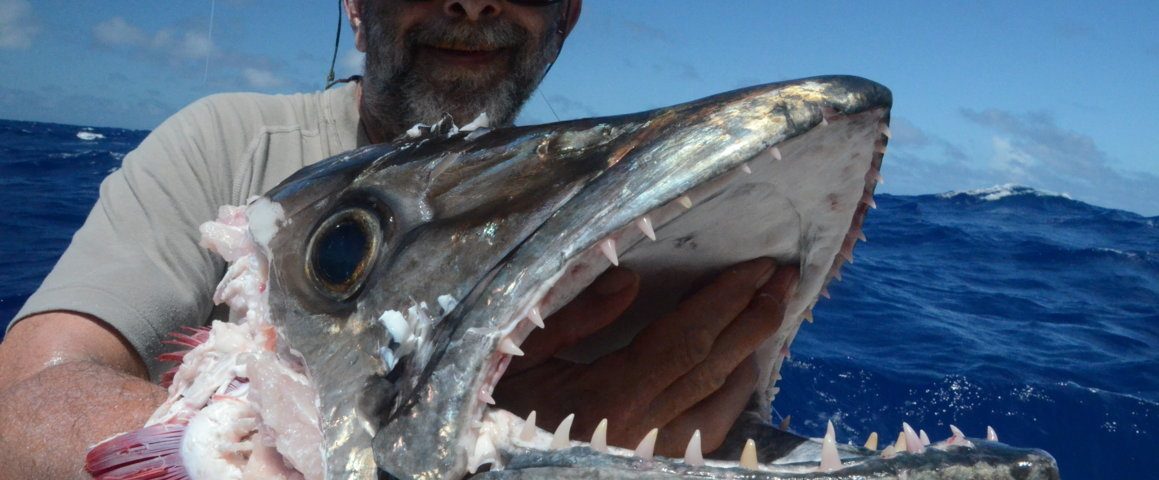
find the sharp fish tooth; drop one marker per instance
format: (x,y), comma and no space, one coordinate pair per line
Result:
(830,461)
(528,431)
(645,225)
(784,426)
(745,168)
(692,454)
(913,444)
(647,445)
(509,347)
(484,453)
(886,131)
(685,201)
(748,456)
(808,315)
(889,452)
(562,437)
(775,152)
(925,438)
(871,442)
(600,437)
(958,438)
(608,246)
(485,396)
(846,253)
(536,317)
(899,445)
(991,435)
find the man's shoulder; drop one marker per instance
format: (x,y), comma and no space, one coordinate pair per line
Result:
(237,118)
(253,109)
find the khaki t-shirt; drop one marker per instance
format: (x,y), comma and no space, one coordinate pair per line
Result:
(136,263)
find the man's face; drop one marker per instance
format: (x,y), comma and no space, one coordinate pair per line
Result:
(428,58)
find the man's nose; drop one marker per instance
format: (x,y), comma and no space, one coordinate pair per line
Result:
(474,10)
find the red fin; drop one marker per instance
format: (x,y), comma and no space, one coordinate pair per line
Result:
(151,453)
(188,338)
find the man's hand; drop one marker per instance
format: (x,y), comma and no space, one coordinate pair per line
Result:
(690,369)
(67,381)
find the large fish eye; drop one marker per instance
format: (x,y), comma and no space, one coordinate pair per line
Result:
(341,251)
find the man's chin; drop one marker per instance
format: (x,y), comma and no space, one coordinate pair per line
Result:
(466,100)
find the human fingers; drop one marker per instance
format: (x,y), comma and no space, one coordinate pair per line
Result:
(677,342)
(738,341)
(713,416)
(594,308)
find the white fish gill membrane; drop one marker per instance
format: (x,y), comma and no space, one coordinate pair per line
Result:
(247,409)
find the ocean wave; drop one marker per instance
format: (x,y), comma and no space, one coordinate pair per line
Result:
(1103,392)
(88,135)
(999,192)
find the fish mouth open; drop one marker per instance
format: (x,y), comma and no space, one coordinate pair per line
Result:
(755,207)
(801,201)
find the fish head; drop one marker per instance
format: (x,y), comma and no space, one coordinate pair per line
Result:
(400,274)
(371,250)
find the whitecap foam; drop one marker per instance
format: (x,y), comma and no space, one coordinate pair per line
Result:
(999,192)
(89,136)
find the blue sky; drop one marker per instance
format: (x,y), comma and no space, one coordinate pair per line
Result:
(1060,96)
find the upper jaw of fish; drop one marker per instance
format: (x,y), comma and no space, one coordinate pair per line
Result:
(681,171)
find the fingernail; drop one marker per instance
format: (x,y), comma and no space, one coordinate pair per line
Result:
(613,281)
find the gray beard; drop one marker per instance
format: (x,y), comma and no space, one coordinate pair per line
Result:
(401,87)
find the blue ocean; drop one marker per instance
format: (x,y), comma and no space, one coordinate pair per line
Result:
(1026,311)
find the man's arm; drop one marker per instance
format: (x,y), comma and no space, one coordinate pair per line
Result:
(67,381)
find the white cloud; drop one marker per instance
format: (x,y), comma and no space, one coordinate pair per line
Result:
(350,63)
(261,78)
(166,43)
(116,32)
(1032,149)
(1012,160)
(190,51)
(1024,148)
(17,25)
(193,45)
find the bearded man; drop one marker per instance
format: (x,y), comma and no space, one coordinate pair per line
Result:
(78,359)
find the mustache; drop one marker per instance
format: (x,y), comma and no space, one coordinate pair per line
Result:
(492,35)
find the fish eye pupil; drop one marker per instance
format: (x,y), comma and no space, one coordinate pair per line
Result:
(340,252)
